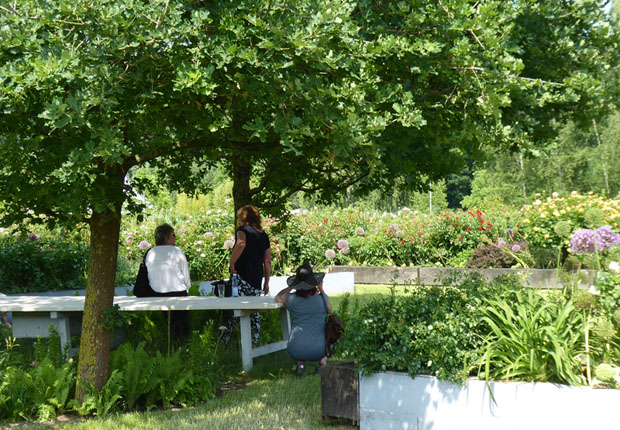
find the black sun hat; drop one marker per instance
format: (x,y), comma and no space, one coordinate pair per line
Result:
(304,278)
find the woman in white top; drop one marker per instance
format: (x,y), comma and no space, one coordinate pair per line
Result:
(166,264)
(168,274)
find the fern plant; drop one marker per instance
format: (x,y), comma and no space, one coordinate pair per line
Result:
(16,394)
(169,377)
(137,368)
(50,348)
(101,403)
(54,386)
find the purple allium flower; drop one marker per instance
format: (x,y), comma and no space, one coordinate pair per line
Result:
(360,231)
(345,251)
(501,243)
(605,238)
(582,241)
(516,247)
(342,243)
(144,245)
(330,254)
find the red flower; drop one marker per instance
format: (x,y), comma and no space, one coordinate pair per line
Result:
(402,241)
(467,229)
(481,228)
(461,239)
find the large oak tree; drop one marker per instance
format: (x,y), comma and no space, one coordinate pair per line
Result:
(289,95)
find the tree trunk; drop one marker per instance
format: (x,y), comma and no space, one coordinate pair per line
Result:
(523,190)
(242,171)
(600,148)
(94,361)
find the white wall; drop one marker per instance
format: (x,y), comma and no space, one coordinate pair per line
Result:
(396,401)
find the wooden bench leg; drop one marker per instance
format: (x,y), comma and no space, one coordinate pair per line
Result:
(246,342)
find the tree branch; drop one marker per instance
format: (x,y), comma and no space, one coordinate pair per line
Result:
(160,151)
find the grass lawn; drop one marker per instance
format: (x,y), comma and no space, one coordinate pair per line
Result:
(270,397)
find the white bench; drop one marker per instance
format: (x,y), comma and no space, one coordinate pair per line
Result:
(333,283)
(32,315)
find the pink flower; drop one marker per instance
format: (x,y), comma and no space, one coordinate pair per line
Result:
(207,234)
(228,244)
(33,235)
(330,254)
(143,245)
(342,243)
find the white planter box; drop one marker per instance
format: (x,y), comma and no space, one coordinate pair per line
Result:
(396,401)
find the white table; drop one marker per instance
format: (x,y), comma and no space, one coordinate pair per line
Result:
(32,315)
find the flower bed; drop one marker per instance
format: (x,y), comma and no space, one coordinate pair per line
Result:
(537,236)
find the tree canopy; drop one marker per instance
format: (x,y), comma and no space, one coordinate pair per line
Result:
(289,95)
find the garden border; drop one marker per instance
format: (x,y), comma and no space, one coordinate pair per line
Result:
(538,278)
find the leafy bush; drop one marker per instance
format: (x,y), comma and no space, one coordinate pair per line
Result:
(34,264)
(41,390)
(490,256)
(544,221)
(434,330)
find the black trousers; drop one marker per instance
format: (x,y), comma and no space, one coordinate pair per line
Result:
(179,320)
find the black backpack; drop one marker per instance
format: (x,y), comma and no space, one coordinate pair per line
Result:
(333,330)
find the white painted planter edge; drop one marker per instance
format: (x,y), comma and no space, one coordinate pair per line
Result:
(393,400)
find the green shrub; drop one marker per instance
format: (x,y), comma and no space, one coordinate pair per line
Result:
(490,256)
(544,220)
(434,330)
(33,264)
(609,286)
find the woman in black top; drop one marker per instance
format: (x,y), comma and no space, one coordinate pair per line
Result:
(250,254)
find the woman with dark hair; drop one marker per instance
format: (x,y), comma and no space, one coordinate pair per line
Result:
(251,253)
(308,306)
(168,273)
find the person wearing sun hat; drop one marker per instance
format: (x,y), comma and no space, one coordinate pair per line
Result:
(303,300)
